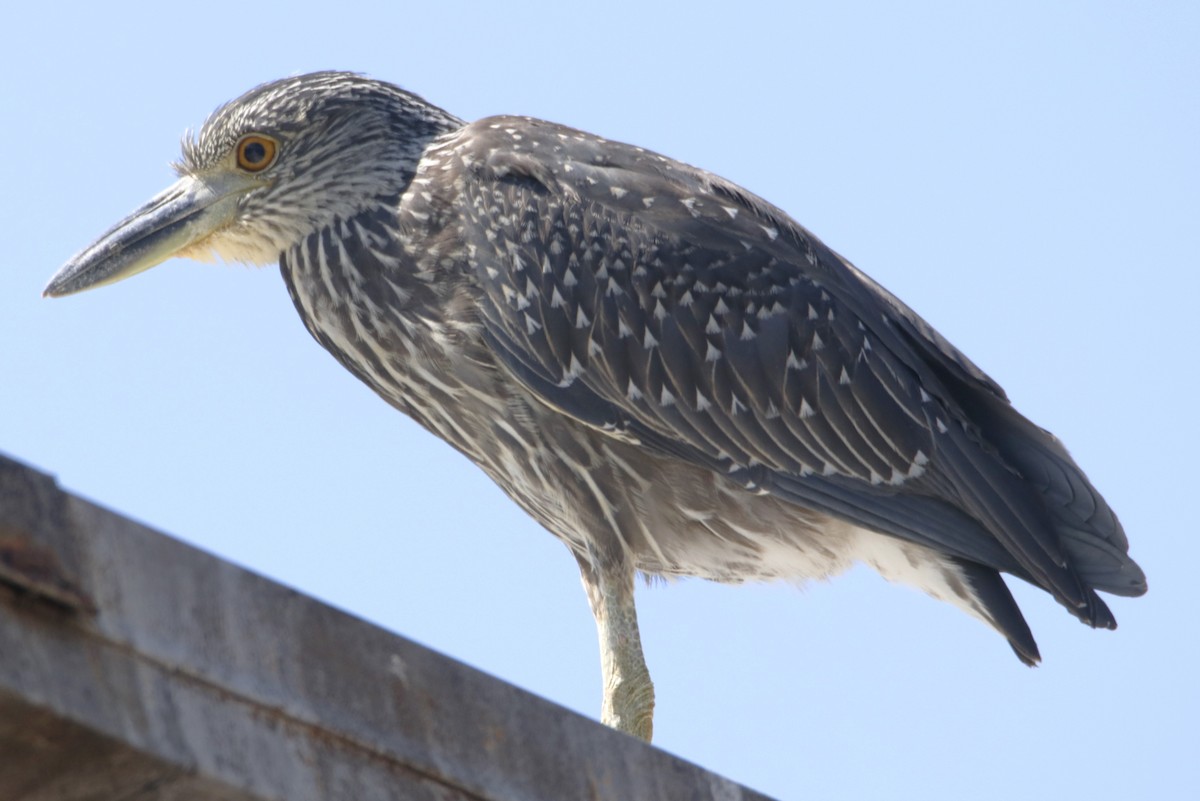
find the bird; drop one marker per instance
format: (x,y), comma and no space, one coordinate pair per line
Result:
(664,370)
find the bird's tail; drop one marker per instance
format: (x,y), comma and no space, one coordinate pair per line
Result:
(994,602)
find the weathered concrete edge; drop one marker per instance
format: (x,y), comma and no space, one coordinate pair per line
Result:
(232,677)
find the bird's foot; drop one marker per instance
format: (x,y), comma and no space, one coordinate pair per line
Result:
(629,704)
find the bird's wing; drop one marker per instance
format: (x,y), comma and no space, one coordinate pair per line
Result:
(659,302)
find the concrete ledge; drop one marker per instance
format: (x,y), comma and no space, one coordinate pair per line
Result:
(133,666)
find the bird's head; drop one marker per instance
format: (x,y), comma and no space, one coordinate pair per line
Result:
(266,170)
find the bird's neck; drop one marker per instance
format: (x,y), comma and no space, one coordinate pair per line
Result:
(375,291)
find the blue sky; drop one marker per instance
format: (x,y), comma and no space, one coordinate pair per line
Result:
(1026,175)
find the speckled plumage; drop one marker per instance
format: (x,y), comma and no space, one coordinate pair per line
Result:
(664,370)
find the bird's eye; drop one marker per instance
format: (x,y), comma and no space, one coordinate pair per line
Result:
(255,153)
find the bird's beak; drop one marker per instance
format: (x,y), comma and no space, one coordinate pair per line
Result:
(186,213)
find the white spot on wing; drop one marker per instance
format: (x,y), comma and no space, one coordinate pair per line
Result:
(575,369)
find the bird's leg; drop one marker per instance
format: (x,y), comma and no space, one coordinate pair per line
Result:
(628,703)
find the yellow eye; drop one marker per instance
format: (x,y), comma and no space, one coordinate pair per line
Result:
(255,153)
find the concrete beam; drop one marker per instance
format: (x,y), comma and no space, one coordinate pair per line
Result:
(133,666)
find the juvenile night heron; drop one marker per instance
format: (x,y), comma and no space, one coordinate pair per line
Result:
(663,369)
